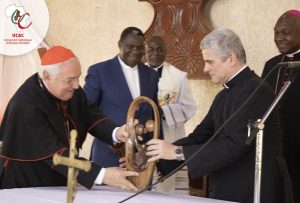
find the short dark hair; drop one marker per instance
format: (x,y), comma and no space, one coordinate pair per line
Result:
(131,30)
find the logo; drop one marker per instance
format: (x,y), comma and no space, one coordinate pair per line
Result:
(25,25)
(18,17)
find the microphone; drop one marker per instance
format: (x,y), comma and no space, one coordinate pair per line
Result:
(292,65)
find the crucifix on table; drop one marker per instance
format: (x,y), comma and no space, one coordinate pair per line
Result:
(74,165)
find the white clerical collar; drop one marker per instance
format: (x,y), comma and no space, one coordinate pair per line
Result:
(147,64)
(241,69)
(292,54)
(125,66)
(46,86)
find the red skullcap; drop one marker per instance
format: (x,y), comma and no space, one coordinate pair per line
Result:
(56,54)
(294,13)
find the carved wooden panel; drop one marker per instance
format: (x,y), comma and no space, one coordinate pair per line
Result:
(182,24)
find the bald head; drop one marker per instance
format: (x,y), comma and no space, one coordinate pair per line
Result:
(287,32)
(156,51)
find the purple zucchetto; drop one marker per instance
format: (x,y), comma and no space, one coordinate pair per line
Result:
(294,12)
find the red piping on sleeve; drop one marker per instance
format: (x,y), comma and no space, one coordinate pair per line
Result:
(30,160)
(98,121)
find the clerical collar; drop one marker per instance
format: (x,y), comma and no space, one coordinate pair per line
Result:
(155,68)
(158,69)
(228,84)
(292,54)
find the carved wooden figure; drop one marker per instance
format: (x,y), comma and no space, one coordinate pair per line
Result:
(136,159)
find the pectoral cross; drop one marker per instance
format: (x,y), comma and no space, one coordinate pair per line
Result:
(74,166)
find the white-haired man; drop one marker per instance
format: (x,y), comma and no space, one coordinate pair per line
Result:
(37,123)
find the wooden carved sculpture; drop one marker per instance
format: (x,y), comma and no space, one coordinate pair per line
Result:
(74,166)
(136,159)
(182,24)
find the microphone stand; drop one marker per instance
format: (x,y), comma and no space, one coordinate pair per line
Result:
(256,128)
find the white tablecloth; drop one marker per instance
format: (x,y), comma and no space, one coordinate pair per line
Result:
(99,194)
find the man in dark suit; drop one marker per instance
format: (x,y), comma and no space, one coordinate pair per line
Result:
(113,84)
(287,40)
(229,162)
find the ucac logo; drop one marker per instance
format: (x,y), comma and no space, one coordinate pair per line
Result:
(25,25)
(19,17)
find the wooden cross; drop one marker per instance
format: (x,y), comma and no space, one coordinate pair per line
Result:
(74,166)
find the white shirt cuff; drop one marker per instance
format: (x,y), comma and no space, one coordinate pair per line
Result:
(114,136)
(100,177)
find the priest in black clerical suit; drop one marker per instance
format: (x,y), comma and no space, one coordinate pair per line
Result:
(37,122)
(287,39)
(228,161)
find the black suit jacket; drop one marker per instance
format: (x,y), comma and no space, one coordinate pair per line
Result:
(107,88)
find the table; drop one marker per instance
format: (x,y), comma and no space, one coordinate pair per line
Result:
(103,194)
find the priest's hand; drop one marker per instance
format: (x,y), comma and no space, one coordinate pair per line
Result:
(115,176)
(160,149)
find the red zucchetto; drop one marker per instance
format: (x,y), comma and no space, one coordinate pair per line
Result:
(56,54)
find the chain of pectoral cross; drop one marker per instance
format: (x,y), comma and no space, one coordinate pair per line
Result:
(282,75)
(64,107)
